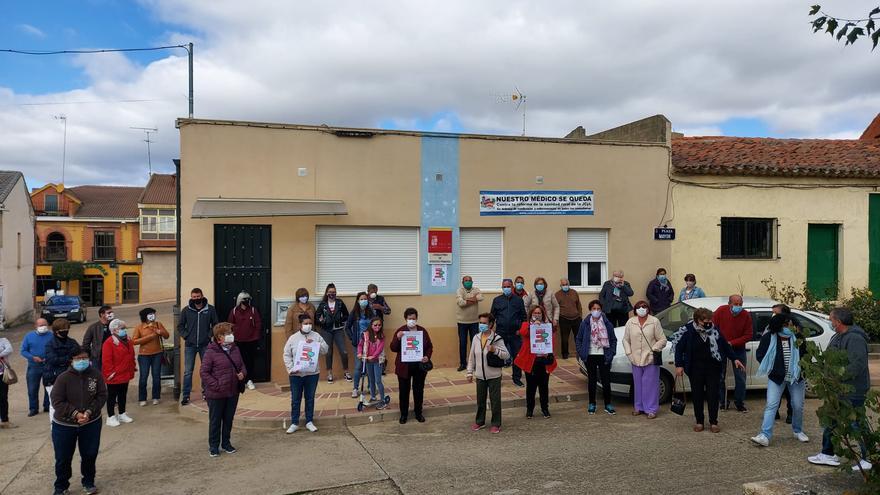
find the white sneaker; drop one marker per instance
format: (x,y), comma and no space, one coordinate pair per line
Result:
(761,440)
(311,427)
(124,418)
(250,385)
(824,459)
(142,403)
(354,394)
(155,402)
(292,428)
(866,466)
(112,422)
(802,437)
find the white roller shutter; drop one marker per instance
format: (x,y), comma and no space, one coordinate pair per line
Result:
(587,245)
(482,257)
(352,257)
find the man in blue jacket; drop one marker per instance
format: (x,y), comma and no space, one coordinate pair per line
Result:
(196,323)
(509,312)
(33,350)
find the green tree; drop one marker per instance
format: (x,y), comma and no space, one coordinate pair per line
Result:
(851,29)
(67,271)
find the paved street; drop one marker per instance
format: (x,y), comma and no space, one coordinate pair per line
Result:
(163,452)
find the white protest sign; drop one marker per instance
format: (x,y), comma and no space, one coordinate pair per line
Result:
(412,347)
(306,357)
(541,338)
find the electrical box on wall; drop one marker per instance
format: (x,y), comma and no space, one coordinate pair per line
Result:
(302,172)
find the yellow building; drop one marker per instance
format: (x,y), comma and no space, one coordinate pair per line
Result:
(95,225)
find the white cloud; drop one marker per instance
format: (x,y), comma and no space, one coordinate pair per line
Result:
(31,30)
(359,63)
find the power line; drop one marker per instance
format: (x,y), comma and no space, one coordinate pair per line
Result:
(84,102)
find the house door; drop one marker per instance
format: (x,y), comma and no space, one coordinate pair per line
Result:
(91,290)
(243,262)
(822,247)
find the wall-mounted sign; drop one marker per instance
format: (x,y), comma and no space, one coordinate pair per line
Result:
(664,234)
(536,203)
(439,275)
(440,245)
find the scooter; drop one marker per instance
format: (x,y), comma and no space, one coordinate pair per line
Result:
(363,402)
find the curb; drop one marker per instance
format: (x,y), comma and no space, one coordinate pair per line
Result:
(367,417)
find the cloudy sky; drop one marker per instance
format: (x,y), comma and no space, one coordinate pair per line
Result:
(745,67)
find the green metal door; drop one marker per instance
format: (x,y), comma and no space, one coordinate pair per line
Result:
(822,260)
(874,243)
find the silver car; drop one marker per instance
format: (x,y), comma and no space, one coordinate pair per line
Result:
(815,326)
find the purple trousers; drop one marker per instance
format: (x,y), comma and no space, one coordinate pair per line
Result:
(646,388)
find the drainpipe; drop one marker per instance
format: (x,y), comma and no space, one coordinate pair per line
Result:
(175,361)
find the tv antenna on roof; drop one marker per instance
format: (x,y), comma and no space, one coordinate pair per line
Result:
(518,98)
(147,131)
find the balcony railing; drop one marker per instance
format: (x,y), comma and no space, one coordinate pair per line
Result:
(104,253)
(51,253)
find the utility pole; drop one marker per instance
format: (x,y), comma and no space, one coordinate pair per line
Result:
(147,131)
(189,50)
(63,117)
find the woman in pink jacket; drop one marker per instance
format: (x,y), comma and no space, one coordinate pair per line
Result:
(370,349)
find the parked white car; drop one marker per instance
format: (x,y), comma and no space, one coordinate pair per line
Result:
(815,326)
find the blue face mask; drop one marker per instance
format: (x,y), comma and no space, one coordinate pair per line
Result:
(736,309)
(519,286)
(363,303)
(80,364)
(661,278)
(539,287)
(507,291)
(565,288)
(122,333)
(484,327)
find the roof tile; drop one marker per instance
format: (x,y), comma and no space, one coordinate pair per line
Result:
(107,201)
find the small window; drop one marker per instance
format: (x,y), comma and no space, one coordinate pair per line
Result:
(747,238)
(587,258)
(166,225)
(130,288)
(105,246)
(51,203)
(148,225)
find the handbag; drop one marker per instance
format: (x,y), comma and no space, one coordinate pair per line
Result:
(657,355)
(492,359)
(241,383)
(426,366)
(165,360)
(678,405)
(9,376)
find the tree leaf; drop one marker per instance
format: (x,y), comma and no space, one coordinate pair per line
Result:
(814,9)
(842,32)
(817,24)
(873,12)
(854,35)
(876,38)
(831,26)
(869,26)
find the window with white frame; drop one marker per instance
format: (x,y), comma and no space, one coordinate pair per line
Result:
(158,224)
(587,258)
(352,257)
(481,257)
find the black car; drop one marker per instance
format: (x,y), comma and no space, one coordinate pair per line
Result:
(71,307)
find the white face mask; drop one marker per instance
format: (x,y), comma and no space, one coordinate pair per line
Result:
(595,313)
(616,280)
(42,330)
(304,299)
(307,328)
(373,295)
(411,323)
(151,317)
(110,316)
(228,339)
(643,312)
(536,317)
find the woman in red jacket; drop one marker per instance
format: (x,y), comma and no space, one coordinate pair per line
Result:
(537,367)
(117,366)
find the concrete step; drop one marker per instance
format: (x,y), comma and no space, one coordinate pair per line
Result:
(874,356)
(874,348)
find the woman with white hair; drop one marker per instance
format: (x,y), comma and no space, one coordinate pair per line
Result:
(117,366)
(247,326)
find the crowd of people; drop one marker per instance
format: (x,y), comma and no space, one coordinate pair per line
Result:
(80,380)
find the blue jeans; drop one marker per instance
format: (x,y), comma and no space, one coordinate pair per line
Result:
(828,447)
(374,374)
(34,376)
(65,440)
(150,365)
(299,386)
(739,377)
(774,396)
(189,364)
(358,371)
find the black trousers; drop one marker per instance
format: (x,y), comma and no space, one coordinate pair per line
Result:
(416,383)
(567,327)
(705,383)
(466,332)
(538,380)
(65,439)
(221,412)
(248,354)
(598,370)
(116,396)
(618,318)
(4,402)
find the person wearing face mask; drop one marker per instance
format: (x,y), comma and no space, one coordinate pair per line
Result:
(357,324)
(519,287)
(245,317)
(377,301)
(467,299)
(779,356)
(411,375)
(118,369)
(331,316)
(148,337)
(614,297)
(302,383)
(538,367)
(570,314)
(509,313)
(702,352)
(78,396)
(660,292)
(596,345)
(223,374)
(735,324)
(487,373)
(195,326)
(370,348)
(59,352)
(642,337)
(690,289)
(5,351)
(97,333)
(782,309)
(300,306)
(33,349)
(545,299)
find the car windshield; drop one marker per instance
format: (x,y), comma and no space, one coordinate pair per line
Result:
(63,300)
(674,317)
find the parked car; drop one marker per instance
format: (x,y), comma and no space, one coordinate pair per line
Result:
(71,307)
(815,326)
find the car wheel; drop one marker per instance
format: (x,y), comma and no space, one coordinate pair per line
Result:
(665,387)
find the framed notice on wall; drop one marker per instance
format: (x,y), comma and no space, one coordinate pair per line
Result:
(536,203)
(440,245)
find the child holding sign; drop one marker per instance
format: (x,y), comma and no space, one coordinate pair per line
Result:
(370,348)
(537,364)
(301,360)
